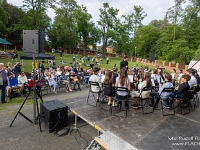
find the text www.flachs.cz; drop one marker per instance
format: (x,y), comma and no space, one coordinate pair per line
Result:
(186,144)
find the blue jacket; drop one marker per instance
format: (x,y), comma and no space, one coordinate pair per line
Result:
(13,82)
(165,95)
(62,78)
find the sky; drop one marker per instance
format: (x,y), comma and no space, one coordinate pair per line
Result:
(155,9)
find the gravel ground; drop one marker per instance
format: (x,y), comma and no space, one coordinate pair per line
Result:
(24,135)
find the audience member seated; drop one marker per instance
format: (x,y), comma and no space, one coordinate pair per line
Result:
(22,80)
(86,77)
(63,80)
(12,84)
(145,94)
(58,72)
(52,82)
(38,85)
(164,95)
(76,82)
(122,81)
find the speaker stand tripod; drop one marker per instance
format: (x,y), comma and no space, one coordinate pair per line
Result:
(37,107)
(75,126)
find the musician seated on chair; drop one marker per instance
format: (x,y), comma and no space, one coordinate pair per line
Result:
(96,78)
(164,95)
(145,94)
(122,81)
(108,87)
(177,93)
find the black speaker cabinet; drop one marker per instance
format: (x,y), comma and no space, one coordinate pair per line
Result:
(33,41)
(54,114)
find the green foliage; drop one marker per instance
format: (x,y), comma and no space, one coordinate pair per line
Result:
(174,38)
(197,54)
(3,22)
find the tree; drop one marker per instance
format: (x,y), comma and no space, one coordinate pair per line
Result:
(197,54)
(108,17)
(84,25)
(3,21)
(146,38)
(174,14)
(138,15)
(37,12)
(63,32)
(120,37)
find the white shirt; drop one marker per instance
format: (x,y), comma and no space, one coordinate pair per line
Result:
(192,82)
(95,78)
(22,79)
(127,82)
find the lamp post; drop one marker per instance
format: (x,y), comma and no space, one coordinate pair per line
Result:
(135,52)
(135,56)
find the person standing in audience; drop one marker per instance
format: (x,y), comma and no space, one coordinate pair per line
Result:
(123,81)
(107,60)
(124,63)
(3,82)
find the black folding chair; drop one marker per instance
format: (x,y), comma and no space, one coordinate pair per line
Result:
(195,97)
(108,91)
(168,90)
(185,100)
(145,101)
(121,100)
(95,84)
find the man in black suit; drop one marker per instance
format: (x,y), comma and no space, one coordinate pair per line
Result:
(124,63)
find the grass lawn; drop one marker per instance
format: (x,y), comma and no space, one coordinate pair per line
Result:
(27,67)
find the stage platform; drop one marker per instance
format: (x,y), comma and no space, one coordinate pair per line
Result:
(145,132)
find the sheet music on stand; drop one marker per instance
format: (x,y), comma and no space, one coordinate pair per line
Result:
(130,78)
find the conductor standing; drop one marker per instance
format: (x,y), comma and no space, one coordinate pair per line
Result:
(124,63)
